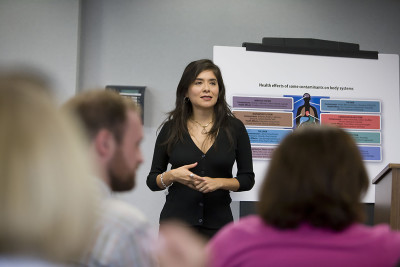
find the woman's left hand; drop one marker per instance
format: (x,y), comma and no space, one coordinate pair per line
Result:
(206,184)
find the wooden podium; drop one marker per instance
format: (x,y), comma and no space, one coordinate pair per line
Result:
(387,196)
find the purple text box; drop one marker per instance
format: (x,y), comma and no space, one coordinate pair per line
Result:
(276,103)
(371,153)
(262,152)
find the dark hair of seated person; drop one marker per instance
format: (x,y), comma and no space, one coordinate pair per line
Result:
(315,176)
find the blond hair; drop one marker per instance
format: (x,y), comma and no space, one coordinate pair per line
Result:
(47,194)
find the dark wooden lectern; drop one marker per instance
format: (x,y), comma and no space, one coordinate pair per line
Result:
(387,196)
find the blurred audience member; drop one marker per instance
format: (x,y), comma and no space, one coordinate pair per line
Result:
(25,77)
(47,196)
(309,212)
(181,246)
(113,124)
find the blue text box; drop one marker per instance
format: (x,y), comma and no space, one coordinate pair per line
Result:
(363,106)
(267,136)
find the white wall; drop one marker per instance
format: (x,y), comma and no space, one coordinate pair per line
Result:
(42,34)
(149,42)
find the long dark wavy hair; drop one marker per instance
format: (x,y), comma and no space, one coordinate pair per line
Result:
(183,107)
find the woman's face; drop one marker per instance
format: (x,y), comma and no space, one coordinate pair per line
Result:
(203,92)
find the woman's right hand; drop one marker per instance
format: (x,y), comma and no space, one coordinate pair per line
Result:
(182,175)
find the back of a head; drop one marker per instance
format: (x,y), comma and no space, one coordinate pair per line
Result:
(316,176)
(28,78)
(101,109)
(46,193)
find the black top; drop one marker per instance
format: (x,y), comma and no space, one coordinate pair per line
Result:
(211,210)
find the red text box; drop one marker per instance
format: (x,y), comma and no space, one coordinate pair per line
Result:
(352,121)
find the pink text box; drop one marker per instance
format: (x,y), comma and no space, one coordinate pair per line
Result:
(352,121)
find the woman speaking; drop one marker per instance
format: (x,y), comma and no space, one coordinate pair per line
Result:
(201,139)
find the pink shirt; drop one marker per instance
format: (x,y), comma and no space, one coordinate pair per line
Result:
(250,242)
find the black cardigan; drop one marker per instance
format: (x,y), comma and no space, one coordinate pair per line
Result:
(211,210)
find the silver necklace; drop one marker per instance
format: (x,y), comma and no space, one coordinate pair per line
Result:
(204,131)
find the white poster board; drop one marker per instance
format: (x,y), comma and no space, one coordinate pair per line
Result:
(268,88)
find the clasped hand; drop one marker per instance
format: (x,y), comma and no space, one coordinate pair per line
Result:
(184,176)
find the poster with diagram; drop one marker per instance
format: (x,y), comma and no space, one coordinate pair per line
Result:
(273,93)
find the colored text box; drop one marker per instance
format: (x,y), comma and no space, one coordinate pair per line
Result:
(352,121)
(281,103)
(366,137)
(271,119)
(371,153)
(332,105)
(267,136)
(262,152)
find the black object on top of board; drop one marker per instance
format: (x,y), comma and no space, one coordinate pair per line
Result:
(310,46)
